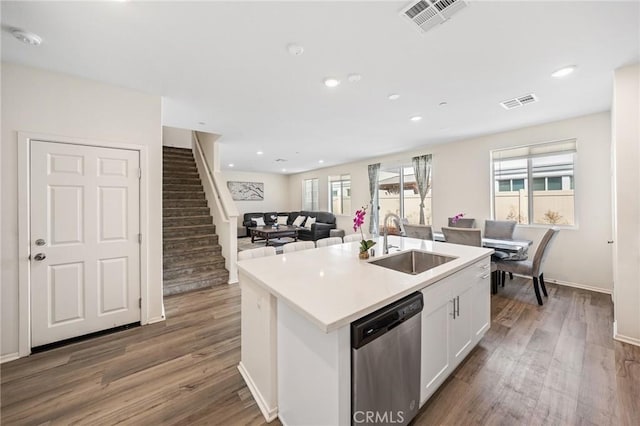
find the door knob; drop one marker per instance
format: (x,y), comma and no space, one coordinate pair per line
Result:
(40,257)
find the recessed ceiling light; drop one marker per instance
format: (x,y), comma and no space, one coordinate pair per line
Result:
(563,72)
(284,170)
(442,104)
(320,161)
(416,118)
(393,97)
(231,164)
(259,152)
(27,37)
(354,78)
(331,82)
(295,49)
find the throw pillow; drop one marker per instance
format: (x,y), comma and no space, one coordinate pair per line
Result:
(299,220)
(259,221)
(282,220)
(310,221)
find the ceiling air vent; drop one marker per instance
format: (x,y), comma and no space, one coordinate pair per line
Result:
(427,14)
(519,101)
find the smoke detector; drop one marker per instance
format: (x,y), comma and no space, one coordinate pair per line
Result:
(26,37)
(427,14)
(519,101)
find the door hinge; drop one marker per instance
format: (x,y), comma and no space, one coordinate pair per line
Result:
(140,302)
(139,173)
(139,238)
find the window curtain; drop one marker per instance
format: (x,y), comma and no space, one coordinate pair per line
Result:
(374,173)
(422,172)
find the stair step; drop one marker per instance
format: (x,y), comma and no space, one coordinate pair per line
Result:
(186,221)
(173,245)
(170,180)
(168,212)
(178,162)
(198,255)
(188,231)
(196,282)
(179,168)
(182,187)
(187,204)
(180,174)
(176,150)
(180,195)
(184,272)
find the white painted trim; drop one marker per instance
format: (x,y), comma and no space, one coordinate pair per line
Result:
(623,338)
(269,414)
(9,357)
(572,284)
(24,214)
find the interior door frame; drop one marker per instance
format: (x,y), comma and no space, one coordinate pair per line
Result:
(24,215)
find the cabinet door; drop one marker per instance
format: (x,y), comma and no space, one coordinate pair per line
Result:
(435,364)
(481,318)
(461,334)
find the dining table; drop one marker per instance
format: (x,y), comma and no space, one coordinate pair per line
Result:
(513,249)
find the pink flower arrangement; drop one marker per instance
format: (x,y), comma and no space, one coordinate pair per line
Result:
(358,221)
(457,217)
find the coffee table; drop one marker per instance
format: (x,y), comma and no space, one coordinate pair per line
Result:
(269,232)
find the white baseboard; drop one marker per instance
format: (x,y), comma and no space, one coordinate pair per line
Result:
(574,285)
(269,414)
(622,338)
(9,357)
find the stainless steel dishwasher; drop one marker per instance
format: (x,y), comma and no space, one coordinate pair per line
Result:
(385,364)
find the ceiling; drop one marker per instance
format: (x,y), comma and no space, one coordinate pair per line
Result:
(226,64)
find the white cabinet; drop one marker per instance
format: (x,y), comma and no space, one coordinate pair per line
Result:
(456,314)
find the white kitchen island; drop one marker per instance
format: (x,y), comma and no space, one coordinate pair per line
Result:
(297,309)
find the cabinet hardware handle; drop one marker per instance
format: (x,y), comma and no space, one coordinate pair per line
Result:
(485,276)
(458,305)
(454,307)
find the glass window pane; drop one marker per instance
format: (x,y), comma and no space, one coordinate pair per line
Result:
(388,193)
(554,183)
(517,184)
(504,185)
(538,184)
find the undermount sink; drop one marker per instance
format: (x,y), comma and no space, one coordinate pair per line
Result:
(412,261)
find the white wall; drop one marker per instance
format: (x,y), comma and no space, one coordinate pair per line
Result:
(462,183)
(55,104)
(179,138)
(626,177)
(276,193)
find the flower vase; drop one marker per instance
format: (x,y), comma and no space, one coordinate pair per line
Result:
(364,255)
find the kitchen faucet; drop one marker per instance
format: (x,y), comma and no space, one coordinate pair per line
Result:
(385,244)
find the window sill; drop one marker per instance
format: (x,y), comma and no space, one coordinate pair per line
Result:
(546,226)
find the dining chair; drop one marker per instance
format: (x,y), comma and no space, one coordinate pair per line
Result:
(471,237)
(532,268)
(464,222)
(355,237)
(298,246)
(500,230)
(423,232)
(330,241)
(257,252)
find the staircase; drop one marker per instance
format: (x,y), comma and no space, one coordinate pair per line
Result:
(192,257)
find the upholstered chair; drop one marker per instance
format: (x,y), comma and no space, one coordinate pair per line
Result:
(423,232)
(355,237)
(298,246)
(464,222)
(256,252)
(471,237)
(532,268)
(324,242)
(499,229)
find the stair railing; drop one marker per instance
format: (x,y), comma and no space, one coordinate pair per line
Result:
(223,209)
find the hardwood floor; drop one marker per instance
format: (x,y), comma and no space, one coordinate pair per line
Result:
(555,365)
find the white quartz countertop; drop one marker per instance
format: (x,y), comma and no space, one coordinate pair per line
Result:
(331,287)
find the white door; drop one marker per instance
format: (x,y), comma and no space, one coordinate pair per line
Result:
(84,226)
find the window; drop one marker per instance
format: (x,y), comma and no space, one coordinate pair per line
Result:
(340,194)
(398,193)
(310,195)
(550,198)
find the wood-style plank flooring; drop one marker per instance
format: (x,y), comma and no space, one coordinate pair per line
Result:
(555,365)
